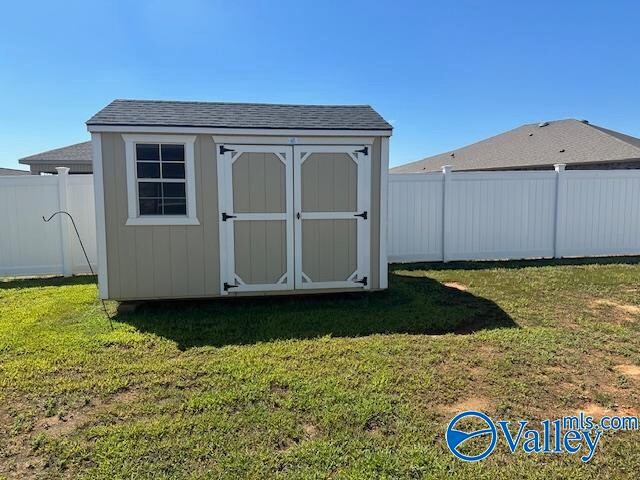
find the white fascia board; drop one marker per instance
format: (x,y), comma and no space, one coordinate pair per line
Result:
(238,131)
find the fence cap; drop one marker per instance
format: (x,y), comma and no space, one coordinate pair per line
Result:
(62,170)
(447,168)
(560,167)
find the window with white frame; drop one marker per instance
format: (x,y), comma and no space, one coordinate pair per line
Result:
(160,179)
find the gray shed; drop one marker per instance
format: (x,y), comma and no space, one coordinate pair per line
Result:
(200,199)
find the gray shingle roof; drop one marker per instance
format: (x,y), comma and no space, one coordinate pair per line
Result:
(239,115)
(76,153)
(12,172)
(562,141)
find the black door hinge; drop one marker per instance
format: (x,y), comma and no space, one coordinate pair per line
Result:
(227,286)
(363,281)
(364,150)
(224,150)
(363,215)
(226,217)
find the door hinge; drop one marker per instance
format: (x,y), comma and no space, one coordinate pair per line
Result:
(364,150)
(364,215)
(224,150)
(226,217)
(227,286)
(363,281)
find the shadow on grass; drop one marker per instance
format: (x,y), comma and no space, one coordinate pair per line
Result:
(514,264)
(52,281)
(410,305)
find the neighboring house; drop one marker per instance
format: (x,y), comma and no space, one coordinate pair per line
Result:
(12,172)
(538,146)
(77,157)
(198,199)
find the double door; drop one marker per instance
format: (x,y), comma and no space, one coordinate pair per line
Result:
(294,217)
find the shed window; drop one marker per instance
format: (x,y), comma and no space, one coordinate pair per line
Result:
(160,180)
(163,163)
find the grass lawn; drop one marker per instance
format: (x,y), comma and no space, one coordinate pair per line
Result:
(342,386)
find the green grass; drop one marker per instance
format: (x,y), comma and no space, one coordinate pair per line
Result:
(340,386)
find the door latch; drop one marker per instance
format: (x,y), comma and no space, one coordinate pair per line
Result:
(298,215)
(364,150)
(363,281)
(364,215)
(227,286)
(226,217)
(224,150)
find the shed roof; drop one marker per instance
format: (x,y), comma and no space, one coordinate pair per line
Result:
(535,145)
(239,115)
(76,153)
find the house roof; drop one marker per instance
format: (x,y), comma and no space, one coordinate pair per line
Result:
(76,153)
(535,145)
(239,115)
(12,172)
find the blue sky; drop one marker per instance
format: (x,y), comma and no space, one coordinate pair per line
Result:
(444,73)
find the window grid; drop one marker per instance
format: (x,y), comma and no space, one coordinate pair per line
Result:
(164,201)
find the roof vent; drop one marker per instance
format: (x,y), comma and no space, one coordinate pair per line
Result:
(531,134)
(586,122)
(562,151)
(543,124)
(453,154)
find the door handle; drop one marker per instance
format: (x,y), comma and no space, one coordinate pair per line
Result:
(298,215)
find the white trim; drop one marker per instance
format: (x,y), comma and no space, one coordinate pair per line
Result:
(287,132)
(65,232)
(328,215)
(132,191)
(101,233)
(284,140)
(384,188)
(226,229)
(300,154)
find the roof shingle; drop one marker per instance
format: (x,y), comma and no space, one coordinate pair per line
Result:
(563,141)
(239,115)
(78,152)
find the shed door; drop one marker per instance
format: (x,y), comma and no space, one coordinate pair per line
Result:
(256,224)
(332,226)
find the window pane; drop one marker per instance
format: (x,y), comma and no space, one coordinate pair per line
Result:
(175,206)
(173,190)
(173,170)
(150,206)
(148,151)
(172,153)
(148,170)
(149,189)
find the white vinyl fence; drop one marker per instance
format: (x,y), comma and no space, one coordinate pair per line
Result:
(28,245)
(512,215)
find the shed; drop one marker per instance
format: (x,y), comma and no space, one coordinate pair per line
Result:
(202,199)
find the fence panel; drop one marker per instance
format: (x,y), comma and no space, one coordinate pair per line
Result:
(28,245)
(599,213)
(415,217)
(513,215)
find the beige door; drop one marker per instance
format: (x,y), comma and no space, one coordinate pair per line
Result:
(255,185)
(332,230)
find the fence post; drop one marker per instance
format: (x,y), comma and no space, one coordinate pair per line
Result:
(65,232)
(446,191)
(560,169)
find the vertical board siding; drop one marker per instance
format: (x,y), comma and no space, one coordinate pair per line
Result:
(161,261)
(512,215)
(28,245)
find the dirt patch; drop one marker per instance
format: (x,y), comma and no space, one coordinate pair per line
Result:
(479,403)
(310,431)
(628,369)
(623,311)
(456,285)
(598,411)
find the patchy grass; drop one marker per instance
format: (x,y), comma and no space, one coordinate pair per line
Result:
(343,386)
